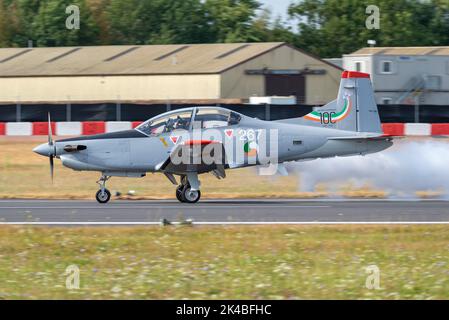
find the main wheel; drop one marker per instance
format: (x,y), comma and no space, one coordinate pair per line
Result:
(179,194)
(191,196)
(103,197)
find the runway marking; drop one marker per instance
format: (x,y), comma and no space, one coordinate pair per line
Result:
(167,207)
(236,200)
(152,223)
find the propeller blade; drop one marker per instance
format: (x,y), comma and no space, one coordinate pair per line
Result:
(51,168)
(50,133)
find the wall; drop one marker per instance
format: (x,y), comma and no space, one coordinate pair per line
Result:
(404,69)
(320,89)
(109,88)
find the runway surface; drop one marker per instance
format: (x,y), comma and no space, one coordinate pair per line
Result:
(223,211)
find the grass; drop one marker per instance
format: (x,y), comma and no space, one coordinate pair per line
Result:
(234,262)
(24,174)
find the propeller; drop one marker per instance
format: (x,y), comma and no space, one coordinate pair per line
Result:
(52,149)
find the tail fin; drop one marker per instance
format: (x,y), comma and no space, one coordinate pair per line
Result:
(354,109)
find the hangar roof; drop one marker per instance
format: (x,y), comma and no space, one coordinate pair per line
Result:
(129,60)
(398,51)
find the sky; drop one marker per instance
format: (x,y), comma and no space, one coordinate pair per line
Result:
(277,7)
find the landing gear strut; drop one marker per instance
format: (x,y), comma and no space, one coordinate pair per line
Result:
(103,195)
(184,192)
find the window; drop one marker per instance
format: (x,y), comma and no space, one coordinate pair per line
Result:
(234,119)
(358,66)
(386,100)
(167,123)
(433,82)
(216,118)
(386,67)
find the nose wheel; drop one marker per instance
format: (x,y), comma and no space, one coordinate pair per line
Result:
(103,195)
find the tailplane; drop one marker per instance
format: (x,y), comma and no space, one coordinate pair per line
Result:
(354,109)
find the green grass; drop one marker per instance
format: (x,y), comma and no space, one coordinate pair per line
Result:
(238,262)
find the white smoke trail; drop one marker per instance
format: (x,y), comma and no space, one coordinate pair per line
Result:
(407,167)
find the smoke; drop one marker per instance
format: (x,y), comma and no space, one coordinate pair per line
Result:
(402,170)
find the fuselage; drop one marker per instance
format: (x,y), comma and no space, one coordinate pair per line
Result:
(133,153)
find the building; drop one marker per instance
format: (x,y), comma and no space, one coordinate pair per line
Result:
(335,61)
(185,73)
(405,75)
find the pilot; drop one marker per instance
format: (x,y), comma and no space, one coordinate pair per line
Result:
(181,123)
(169,125)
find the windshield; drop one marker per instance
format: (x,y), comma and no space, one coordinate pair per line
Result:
(207,117)
(167,123)
(215,118)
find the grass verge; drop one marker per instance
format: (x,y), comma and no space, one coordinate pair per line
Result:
(234,262)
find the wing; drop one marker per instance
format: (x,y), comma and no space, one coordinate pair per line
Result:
(198,156)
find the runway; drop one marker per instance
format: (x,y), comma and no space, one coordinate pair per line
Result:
(249,211)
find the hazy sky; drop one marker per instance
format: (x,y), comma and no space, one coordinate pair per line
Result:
(277,7)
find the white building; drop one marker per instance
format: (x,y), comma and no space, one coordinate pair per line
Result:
(405,75)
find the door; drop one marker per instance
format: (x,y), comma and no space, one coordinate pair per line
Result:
(286,85)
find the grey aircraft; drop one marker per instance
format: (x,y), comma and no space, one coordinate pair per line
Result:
(188,142)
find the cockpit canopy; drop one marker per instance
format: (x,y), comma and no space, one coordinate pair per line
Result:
(204,117)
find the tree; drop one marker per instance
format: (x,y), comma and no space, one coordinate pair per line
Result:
(49,26)
(330,28)
(183,22)
(231,20)
(4,26)
(13,29)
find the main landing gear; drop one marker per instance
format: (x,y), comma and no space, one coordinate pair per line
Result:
(184,192)
(103,195)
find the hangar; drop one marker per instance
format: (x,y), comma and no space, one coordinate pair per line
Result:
(150,74)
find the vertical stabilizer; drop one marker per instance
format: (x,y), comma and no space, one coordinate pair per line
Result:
(354,109)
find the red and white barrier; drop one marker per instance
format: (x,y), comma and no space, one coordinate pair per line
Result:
(118,126)
(19,129)
(393,129)
(98,127)
(440,129)
(418,129)
(69,128)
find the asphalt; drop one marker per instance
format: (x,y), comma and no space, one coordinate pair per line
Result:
(223,211)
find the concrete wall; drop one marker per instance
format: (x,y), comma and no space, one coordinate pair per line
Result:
(319,88)
(52,89)
(404,69)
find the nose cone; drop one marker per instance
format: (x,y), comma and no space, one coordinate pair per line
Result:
(43,150)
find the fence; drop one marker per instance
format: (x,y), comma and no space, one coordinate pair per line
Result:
(141,112)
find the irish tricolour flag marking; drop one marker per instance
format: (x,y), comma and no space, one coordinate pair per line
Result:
(334,116)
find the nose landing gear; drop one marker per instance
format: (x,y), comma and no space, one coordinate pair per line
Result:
(103,195)
(185,193)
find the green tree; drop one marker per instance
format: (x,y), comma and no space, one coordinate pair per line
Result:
(331,28)
(49,26)
(232,20)
(183,22)
(266,30)
(4,26)
(13,30)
